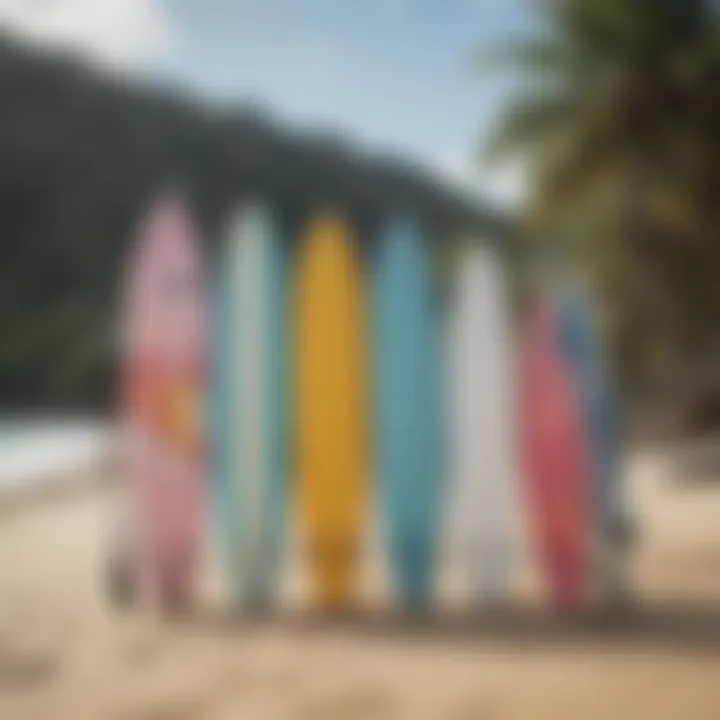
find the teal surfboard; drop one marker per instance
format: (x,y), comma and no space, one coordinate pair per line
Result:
(581,345)
(408,403)
(250,403)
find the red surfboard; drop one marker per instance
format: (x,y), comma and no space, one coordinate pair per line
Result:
(556,462)
(162,405)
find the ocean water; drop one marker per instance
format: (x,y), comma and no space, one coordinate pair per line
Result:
(43,450)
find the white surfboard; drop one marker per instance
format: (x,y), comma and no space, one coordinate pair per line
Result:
(249,404)
(483,444)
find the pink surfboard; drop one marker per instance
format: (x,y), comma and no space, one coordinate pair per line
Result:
(162,402)
(556,463)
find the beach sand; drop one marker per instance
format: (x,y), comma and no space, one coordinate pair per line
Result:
(65,653)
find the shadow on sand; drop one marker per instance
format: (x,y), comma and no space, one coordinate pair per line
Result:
(668,627)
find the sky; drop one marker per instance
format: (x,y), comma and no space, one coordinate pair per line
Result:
(392,74)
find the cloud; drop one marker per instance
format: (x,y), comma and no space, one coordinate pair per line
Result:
(119,32)
(504,185)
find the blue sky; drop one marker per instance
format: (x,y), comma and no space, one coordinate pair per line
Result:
(392,73)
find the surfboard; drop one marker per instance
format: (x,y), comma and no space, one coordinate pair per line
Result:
(331,387)
(556,462)
(484,450)
(162,413)
(408,403)
(580,344)
(250,403)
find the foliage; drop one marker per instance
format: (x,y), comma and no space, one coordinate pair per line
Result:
(617,113)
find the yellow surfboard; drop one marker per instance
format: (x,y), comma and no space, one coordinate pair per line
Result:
(331,396)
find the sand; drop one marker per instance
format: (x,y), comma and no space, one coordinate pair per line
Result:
(64,653)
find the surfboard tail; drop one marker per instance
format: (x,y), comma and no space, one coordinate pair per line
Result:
(569,580)
(490,561)
(334,564)
(173,580)
(414,561)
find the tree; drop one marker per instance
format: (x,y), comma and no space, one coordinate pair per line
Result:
(618,117)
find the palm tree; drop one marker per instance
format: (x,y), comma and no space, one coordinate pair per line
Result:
(618,119)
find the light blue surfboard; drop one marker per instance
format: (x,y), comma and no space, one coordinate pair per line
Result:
(580,344)
(250,403)
(408,403)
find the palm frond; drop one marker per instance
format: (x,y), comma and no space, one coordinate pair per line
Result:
(531,56)
(528,121)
